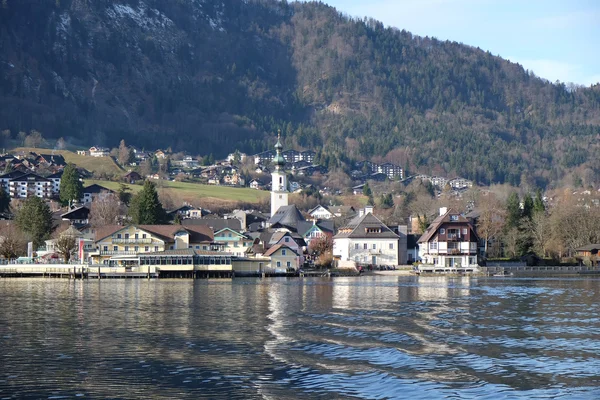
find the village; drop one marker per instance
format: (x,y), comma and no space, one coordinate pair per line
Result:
(94,230)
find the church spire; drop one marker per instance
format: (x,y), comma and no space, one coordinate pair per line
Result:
(278,160)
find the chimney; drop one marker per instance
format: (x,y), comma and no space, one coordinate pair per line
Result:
(369,209)
(443,210)
(361,212)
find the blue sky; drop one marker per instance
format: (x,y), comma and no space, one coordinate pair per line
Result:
(556,39)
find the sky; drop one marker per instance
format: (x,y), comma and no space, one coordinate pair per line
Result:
(556,39)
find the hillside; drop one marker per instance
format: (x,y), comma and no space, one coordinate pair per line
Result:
(206,76)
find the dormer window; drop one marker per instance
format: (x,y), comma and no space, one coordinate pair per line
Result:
(373,230)
(454,218)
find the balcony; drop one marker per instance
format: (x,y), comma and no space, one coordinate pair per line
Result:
(453,238)
(132,241)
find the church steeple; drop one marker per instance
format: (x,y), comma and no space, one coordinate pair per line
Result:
(279,186)
(278,160)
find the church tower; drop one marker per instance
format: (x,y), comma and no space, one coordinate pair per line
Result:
(279,185)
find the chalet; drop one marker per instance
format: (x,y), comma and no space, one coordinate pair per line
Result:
(392,171)
(368,241)
(588,255)
(460,183)
(132,177)
(29,185)
(320,212)
(6,178)
(311,230)
(257,184)
(188,211)
(94,192)
(449,242)
(51,159)
(367,167)
(78,216)
(97,151)
(342,211)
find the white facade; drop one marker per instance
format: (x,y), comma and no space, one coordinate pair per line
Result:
(371,251)
(439,253)
(279,193)
(321,212)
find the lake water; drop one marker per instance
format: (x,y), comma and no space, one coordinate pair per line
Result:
(367,337)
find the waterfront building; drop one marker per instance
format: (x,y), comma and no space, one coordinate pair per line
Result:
(449,242)
(30,185)
(367,241)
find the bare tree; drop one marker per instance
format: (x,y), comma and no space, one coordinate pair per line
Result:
(540,228)
(34,139)
(491,219)
(66,244)
(13,242)
(106,210)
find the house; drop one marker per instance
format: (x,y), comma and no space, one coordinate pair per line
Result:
(308,156)
(123,245)
(291,156)
(51,159)
(311,230)
(449,242)
(286,217)
(367,241)
(412,248)
(283,258)
(97,151)
(264,158)
(588,255)
(233,241)
(342,211)
(188,211)
(257,184)
(55,178)
(77,216)
(132,177)
(392,171)
(160,154)
(29,185)
(320,212)
(460,183)
(95,191)
(83,152)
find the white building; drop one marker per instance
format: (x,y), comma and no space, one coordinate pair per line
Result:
(30,185)
(367,241)
(279,186)
(321,212)
(449,242)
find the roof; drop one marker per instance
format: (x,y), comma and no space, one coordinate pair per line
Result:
(77,213)
(305,227)
(589,247)
(277,247)
(359,226)
(56,175)
(12,175)
(319,206)
(163,232)
(287,216)
(342,209)
(30,177)
(216,224)
(95,188)
(441,219)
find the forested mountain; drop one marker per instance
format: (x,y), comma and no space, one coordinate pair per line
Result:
(211,76)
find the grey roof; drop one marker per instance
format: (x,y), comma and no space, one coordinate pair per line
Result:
(216,224)
(342,210)
(288,216)
(325,226)
(359,225)
(589,247)
(95,188)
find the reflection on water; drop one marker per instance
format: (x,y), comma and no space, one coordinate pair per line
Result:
(371,337)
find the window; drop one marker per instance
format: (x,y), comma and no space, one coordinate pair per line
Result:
(433,246)
(283,252)
(137,236)
(356,246)
(374,246)
(289,264)
(287,239)
(136,248)
(203,247)
(143,236)
(279,263)
(127,236)
(197,247)
(442,231)
(118,236)
(105,248)
(155,248)
(115,248)
(391,246)
(454,218)
(126,248)
(171,247)
(365,246)
(146,248)
(465,231)
(235,244)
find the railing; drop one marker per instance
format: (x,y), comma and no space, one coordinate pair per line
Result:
(118,253)
(453,238)
(132,241)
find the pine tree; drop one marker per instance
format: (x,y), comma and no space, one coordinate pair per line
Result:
(538,203)
(145,207)
(513,211)
(35,219)
(4,201)
(71,188)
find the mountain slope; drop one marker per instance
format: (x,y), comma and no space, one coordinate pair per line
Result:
(206,76)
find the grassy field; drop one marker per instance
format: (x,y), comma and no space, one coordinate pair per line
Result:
(193,192)
(93,164)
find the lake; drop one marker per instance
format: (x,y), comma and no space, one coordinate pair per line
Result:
(368,337)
